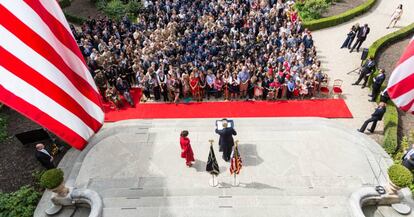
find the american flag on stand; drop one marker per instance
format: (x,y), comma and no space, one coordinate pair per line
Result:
(236,162)
(42,72)
(401,84)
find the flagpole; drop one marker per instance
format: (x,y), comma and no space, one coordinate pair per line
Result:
(213,182)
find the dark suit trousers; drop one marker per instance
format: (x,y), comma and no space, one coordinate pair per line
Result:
(362,75)
(226,152)
(358,43)
(374,124)
(375,91)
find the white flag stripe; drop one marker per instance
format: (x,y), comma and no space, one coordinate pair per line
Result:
(29,17)
(27,55)
(33,96)
(404,99)
(56,12)
(402,71)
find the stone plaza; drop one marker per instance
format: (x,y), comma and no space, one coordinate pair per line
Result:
(291,167)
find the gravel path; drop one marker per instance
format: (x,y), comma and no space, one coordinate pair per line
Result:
(337,62)
(342,6)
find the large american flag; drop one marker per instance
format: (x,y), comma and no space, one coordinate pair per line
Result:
(401,84)
(42,72)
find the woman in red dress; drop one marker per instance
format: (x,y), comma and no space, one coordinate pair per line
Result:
(186,150)
(195,86)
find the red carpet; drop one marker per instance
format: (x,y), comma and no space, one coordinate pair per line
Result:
(327,108)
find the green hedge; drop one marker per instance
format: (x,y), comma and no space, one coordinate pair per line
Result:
(391,116)
(400,175)
(74,19)
(64,3)
(391,130)
(340,18)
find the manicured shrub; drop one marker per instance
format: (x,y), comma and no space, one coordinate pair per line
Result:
(21,203)
(51,178)
(400,175)
(390,130)
(340,18)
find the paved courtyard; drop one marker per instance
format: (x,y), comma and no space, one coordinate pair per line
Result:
(291,167)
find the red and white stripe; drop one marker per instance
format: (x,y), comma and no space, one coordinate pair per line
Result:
(401,84)
(42,72)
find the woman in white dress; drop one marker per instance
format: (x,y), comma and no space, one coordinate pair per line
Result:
(396,15)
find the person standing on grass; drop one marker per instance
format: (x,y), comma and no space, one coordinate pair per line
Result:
(375,117)
(186,150)
(376,85)
(396,16)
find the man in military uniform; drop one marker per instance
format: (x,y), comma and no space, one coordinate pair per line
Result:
(100,82)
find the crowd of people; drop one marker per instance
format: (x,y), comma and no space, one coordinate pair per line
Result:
(239,49)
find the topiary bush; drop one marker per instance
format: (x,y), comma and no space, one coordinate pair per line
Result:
(21,203)
(400,175)
(51,178)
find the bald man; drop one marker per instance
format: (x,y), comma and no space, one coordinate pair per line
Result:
(44,157)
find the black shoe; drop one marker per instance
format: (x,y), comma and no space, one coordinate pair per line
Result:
(370,100)
(359,131)
(357,50)
(350,51)
(371,131)
(362,87)
(369,95)
(354,84)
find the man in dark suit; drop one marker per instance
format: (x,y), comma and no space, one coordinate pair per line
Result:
(376,85)
(408,158)
(226,141)
(375,117)
(366,71)
(362,33)
(44,157)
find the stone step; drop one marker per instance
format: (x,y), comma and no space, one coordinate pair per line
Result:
(217,201)
(225,181)
(228,211)
(208,191)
